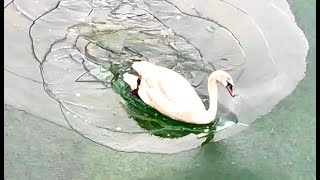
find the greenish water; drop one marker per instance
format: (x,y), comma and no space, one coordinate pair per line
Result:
(279,145)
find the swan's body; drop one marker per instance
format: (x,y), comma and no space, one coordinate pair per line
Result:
(171,94)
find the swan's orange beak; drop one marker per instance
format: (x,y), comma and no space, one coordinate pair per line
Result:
(230,89)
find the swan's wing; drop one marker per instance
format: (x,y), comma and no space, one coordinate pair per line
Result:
(178,90)
(156,99)
(174,88)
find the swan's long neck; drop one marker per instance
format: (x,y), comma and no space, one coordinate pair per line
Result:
(209,115)
(213,93)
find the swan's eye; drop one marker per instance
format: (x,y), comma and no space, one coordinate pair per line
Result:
(230,88)
(229,85)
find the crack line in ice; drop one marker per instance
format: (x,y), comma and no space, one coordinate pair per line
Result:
(278,9)
(12,72)
(61,105)
(86,19)
(184,38)
(22,12)
(8,4)
(124,132)
(86,137)
(79,132)
(30,29)
(87,72)
(83,135)
(259,29)
(43,119)
(207,19)
(187,40)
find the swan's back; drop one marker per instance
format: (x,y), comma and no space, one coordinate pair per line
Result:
(172,85)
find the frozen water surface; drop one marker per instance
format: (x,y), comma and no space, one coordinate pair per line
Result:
(58,56)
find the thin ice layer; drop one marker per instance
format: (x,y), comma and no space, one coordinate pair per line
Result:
(257,42)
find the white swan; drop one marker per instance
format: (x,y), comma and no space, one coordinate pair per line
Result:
(171,94)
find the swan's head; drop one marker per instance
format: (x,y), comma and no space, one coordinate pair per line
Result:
(226,80)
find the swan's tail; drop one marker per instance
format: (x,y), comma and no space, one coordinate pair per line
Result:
(130,79)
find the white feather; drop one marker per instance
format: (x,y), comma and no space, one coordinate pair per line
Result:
(171,94)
